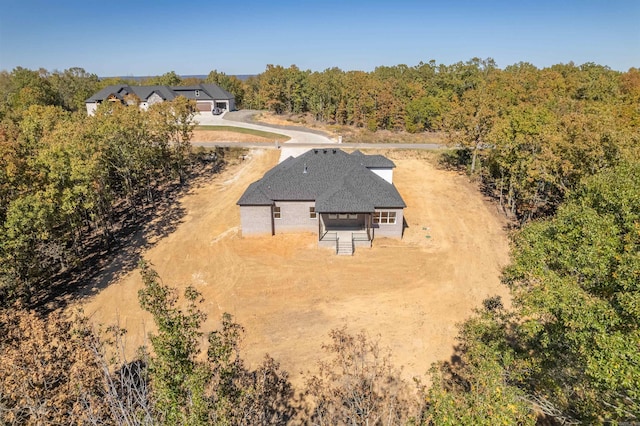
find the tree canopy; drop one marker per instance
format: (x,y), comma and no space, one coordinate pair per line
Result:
(62,173)
(576,282)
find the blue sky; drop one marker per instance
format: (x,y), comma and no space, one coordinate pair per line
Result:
(129,38)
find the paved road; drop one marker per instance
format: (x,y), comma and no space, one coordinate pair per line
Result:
(248,116)
(300,140)
(308,146)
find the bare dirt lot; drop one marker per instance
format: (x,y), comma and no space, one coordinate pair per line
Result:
(289,294)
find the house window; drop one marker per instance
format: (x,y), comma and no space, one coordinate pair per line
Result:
(276,213)
(384,217)
(344,216)
(312,213)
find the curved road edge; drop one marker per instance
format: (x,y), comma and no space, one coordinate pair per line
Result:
(301,138)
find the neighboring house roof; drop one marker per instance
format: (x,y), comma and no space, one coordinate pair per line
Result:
(338,182)
(216,92)
(106,92)
(189,92)
(144,92)
(206,92)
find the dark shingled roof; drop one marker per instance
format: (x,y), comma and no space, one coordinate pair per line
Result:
(373,161)
(338,182)
(216,92)
(144,92)
(207,92)
(109,90)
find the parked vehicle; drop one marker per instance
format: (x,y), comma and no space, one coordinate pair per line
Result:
(216,111)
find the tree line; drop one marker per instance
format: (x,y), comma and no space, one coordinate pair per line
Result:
(69,181)
(530,134)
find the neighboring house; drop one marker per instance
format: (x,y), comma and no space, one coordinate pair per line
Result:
(348,199)
(207,96)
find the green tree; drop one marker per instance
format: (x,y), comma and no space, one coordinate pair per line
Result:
(30,88)
(73,87)
(219,391)
(296,88)
(478,386)
(252,97)
(178,379)
(576,284)
(231,84)
(62,173)
(283,89)
(423,113)
(167,79)
(470,120)
(241,396)
(520,161)
(272,88)
(359,96)
(128,148)
(325,89)
(172,125)
(35,227)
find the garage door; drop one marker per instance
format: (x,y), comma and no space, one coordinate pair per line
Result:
(203,106)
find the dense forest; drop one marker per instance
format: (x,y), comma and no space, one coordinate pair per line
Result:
(557,148)
(540,131)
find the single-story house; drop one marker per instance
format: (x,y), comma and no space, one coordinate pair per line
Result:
(207,96)
(348,199)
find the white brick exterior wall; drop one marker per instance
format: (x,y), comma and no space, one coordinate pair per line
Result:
(294,217)
(389,230)
(255,220)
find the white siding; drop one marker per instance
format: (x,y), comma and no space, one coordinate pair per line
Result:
(91,108)
(384,173)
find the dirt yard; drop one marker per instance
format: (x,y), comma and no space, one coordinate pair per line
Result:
(289,294)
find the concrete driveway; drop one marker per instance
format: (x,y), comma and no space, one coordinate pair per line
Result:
(300,142)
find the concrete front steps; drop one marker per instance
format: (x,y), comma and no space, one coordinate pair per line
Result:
(345,247)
